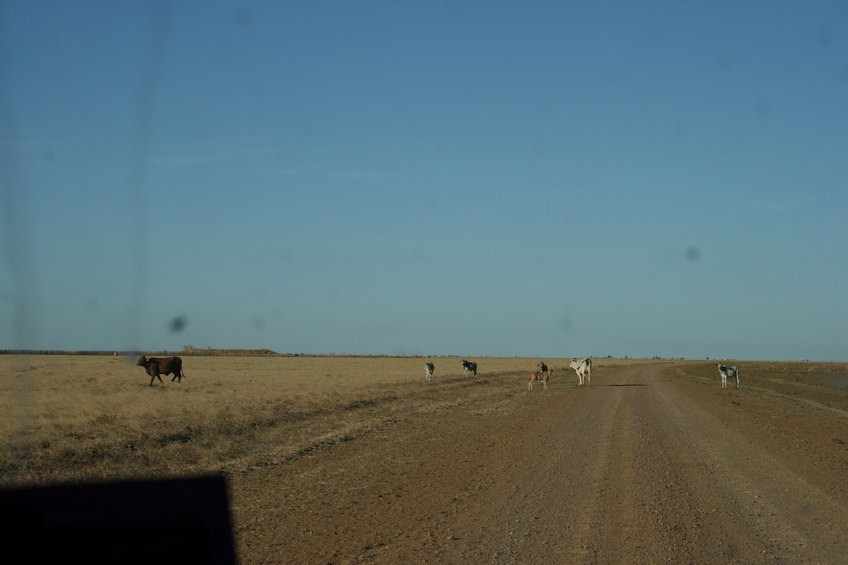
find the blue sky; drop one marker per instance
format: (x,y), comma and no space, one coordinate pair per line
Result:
(540,179)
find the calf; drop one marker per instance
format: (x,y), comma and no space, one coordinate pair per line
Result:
(469,366)
(542,366)
(156,366)
(542,376)
(429,375)
(731,372)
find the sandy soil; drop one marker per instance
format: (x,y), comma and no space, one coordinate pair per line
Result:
(649,464)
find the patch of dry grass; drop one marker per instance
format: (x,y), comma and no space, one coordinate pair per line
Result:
(95,417)
(77,417)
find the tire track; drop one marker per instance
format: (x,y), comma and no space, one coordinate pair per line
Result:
(546,506)
(569,496)
(780,511)
(598,439)
(549,484)
(685,504)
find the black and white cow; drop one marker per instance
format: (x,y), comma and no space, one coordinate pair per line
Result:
(728,372)
(469,366)
(429,368)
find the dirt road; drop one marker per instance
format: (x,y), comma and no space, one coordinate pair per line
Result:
(649,464)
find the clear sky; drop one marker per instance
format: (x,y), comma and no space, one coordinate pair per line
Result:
(540,179)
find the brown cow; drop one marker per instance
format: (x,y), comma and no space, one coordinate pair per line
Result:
(542,376)
(156,366)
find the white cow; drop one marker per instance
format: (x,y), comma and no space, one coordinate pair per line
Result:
(728,372)
(430,368)
(583,367)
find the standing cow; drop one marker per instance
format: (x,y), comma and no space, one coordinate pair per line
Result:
(469,366)
(156,366)
(429,367)
(728,373)
(583,368)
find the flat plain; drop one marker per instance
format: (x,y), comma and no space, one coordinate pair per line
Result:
(357,459)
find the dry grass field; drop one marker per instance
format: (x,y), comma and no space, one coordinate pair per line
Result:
(358,459)
(88,417)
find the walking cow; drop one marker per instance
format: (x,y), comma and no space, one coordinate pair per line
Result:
(156,366)
(429,368)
